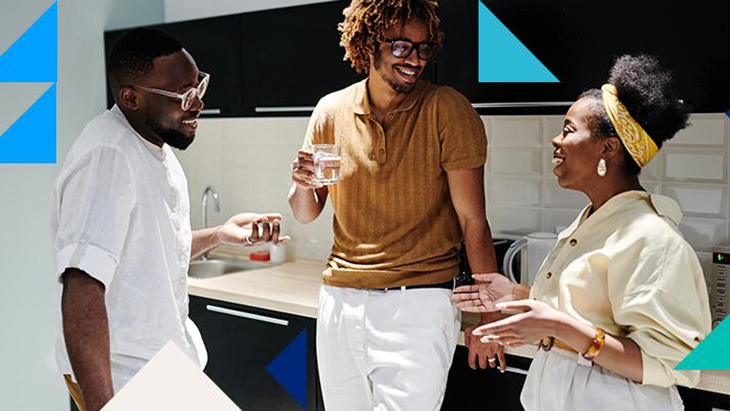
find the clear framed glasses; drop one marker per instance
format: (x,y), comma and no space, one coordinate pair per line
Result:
(188,97)
(403,48)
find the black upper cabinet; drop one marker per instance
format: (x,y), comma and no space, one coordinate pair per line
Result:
(215,44)
(578,42)
(292,58)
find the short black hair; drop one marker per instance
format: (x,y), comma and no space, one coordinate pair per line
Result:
(133,54)
(646,89)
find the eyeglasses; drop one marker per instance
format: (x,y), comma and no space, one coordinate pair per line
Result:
(403,48)
(187,98)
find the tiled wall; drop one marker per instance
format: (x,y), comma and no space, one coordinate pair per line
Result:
(247,160)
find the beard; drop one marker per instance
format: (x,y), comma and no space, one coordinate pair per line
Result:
(173,138)
(380,68)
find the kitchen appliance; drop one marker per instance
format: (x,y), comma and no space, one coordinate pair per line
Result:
(532,249)
(717,284)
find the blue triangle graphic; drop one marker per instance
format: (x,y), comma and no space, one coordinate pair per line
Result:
(34,56)
(502,56)
(32,137)
(289,368)
(710,354)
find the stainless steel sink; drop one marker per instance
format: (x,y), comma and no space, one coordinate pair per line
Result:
(216,267)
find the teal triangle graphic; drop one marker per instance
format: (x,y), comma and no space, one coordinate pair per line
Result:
(33,57)
(710,354)
(32,137)
(502,56)
(289,368)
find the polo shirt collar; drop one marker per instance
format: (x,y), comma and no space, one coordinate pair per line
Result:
(362,101)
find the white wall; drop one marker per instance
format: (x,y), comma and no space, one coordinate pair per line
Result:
(28,300)
(177,10)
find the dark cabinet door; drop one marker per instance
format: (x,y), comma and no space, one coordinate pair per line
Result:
(242,342)
(215,44)
(578,42)
(477,390)
(292,58)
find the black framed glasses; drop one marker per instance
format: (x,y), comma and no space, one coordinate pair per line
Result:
(188,98)
(402,48)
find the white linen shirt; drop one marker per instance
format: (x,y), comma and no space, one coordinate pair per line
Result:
(627,269)
(120,212)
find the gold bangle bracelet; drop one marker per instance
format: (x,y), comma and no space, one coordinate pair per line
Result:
(599,341)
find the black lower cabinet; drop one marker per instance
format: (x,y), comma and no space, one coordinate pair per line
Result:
(479,389)
(243,341)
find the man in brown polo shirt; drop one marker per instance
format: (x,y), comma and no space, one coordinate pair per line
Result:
(411,188)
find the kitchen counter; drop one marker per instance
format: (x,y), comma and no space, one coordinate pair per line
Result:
(293,288)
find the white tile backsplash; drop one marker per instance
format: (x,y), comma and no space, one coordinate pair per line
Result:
(516,161)
(706,130)
(516,191)
(698,199)
(514,220)
(247,159)
(694,164)
(516,131)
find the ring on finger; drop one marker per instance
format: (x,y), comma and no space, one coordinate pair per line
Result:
(492,360)
(248,240)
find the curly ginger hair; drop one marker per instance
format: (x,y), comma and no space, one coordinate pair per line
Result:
(367,20)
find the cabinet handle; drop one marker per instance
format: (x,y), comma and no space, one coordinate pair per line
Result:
(284,109)
(207,111)
(516,370)
(249,316)
(524,104)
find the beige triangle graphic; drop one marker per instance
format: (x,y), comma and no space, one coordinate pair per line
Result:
(17,18)
(171,381)
(16,99)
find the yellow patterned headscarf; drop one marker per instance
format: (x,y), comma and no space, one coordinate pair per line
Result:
(641,147)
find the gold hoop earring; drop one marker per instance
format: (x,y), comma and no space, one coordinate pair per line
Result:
(601,168)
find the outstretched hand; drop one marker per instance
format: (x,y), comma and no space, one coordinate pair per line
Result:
(482,297)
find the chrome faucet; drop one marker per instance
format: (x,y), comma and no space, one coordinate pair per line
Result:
(209,190)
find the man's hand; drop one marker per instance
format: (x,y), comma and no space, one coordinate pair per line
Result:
(481,297)
(483,354)
(251,229)
(303,170)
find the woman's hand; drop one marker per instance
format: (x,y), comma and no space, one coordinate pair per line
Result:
(481,297)
(535,321)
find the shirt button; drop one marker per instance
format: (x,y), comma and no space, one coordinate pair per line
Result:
(382,151)
(390,116)
(573,242)
(549,274)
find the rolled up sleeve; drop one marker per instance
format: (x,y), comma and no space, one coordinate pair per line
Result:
(95,200)
(461,132)
(669,318)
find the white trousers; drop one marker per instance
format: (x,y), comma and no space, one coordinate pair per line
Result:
(388,350)
(562,381)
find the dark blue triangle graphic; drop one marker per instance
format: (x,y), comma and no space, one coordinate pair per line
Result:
(33,57)
(32,138)
(502,56)
(289,368)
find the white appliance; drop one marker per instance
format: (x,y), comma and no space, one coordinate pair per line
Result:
(533,248)
(717,284)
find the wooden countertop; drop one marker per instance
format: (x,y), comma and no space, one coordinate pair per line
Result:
(293,288)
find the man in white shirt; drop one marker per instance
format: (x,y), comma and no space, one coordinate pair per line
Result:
(120,223)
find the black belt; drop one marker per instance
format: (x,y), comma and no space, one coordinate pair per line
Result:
(448,285)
